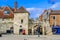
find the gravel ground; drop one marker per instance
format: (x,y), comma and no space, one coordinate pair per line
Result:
(29,37)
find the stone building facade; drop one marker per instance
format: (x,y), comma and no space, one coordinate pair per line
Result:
(14,20)
(50,18)
(44,18)
(55,18)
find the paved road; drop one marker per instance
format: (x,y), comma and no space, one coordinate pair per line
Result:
(31,37)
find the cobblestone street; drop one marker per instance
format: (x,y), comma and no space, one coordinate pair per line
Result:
(31,37)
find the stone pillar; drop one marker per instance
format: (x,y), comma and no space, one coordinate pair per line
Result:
(43,30)
(43,25)
(32,31)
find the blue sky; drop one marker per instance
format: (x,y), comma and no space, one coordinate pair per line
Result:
(35,7)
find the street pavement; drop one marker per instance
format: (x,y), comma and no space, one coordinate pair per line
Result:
(30,37)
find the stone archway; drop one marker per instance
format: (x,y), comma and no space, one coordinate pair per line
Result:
(30,31)
(36,30)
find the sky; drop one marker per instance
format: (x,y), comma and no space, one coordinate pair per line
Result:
(35,7)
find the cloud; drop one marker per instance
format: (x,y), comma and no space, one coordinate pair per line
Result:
(55,6)
(30,9)
(35,12)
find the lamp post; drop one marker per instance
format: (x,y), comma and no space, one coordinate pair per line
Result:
(38,29)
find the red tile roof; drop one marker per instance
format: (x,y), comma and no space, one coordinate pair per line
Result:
(55,12)
(11,15)
(1,13)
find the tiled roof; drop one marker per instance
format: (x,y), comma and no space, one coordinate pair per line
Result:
(21,10)
(1,13)
(55,12)
(11,15)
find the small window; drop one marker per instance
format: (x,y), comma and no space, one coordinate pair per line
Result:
(47,13)
(53,17)
(6,12)
(20,26)
(21,20)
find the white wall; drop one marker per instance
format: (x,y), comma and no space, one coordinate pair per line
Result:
(17,22)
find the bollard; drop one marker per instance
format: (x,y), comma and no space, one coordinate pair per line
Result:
(0,35)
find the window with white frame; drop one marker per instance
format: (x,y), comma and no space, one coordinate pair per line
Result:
(6,12)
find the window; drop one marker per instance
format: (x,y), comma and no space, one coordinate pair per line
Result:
(54,18)
(47,13)
(21,20)
(20,26)
(6,12)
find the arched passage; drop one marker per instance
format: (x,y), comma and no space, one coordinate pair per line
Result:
(36,30)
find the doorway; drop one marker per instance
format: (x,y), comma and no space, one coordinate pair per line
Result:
(10,31)
(30,31)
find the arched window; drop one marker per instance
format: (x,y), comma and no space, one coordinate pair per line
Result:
(54,17)
(20,25)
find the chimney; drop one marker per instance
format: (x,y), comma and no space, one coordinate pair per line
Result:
(15,5)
